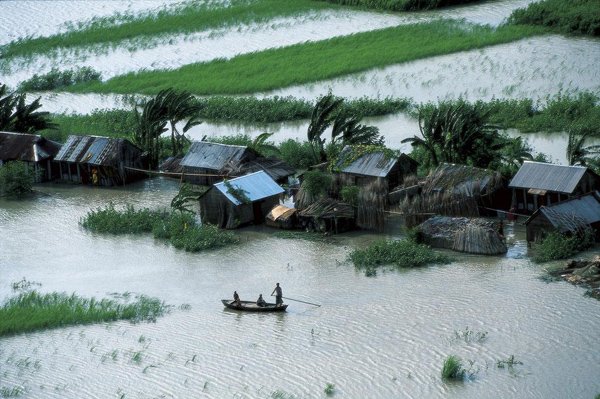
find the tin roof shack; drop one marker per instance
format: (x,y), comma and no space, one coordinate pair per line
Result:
(34,150)
(362,165)
(243,200)
(537,184)
(570,217)
(100,161)
(453,190)
(376,171)
(207,163)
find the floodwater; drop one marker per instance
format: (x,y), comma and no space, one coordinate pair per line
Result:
(149,54)
(377,337)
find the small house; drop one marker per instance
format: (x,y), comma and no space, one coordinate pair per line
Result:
(36,151)
(207,163)
(539,184)
(359,167)
(239,201)
(100,161)
(569,217)
(327,215)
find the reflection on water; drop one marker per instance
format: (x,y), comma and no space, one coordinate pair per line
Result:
(378,337)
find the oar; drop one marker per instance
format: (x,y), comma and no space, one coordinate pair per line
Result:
(298,300)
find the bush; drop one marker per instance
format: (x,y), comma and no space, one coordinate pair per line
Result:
(316,183)
(16,179)
(349,194)
(118,123)
(297,154)
(402,254)
(560,246)
(575,16)
(453,368)
(56,79)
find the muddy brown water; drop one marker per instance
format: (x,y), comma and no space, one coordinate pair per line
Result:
(379,337)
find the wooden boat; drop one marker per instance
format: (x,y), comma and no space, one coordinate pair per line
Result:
(249,306)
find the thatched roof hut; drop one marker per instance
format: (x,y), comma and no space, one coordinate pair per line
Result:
(452,190)
(327,215)
(475,236)
(36,151)
(243,200)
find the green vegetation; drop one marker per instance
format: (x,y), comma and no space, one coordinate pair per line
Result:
(508,363)
(139,30)
(316,183)
(179,228)
(298,154)
(17,115)
(329,389)
(314,61)
(32,311)
(453,368)
(301,235)
(14,392)
(56,79)
(575,16)
(401,5)
(16,179)
(400,253)
(109,123)
(469,335)
(561,246)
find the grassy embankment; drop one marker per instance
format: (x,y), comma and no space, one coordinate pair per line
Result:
(32,311)
(401,5)
(193,17)
(574,16)
(313,61)
(180,229)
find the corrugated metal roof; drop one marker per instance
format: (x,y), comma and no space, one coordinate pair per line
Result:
(572,214)
(203,154)
(26,147)
(94,150)
(275,168)
(547,176)
(255,186)
(372,164)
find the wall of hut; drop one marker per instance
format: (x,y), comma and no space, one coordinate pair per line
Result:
(216,209)
(202,176)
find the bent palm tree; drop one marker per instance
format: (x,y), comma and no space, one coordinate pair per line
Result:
(17,116)
(577,152)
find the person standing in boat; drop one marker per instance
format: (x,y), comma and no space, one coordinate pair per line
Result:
(261,302)
(236,298)
(278,295)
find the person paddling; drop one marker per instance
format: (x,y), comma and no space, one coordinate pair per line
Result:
(236,298)
(278,295)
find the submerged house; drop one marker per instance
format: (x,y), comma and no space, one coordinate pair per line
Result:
(453,190)
(207,163)
(569,217)
(363,169)
(36,151)
(100,161)
(239,201)
(537,184)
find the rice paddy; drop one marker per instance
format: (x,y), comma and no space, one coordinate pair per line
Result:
(313,61)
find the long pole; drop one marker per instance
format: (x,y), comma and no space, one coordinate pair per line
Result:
(298,300)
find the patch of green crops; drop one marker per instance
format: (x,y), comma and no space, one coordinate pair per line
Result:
(32,311)
(313,61)
(193,17)
(401,5)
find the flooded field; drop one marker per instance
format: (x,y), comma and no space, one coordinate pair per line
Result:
(379,337)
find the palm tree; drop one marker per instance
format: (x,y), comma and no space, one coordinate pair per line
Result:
(180,106)
(322,117)
(18,116)
(577,152)
(151,124)
(350,131)
(262,146)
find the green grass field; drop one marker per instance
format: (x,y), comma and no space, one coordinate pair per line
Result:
(111,31)
(313,61)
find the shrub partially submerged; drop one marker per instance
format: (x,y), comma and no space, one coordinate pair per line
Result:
(56,79)
(31,311)
(16,179)
(560,246)
(453,368)
(180,229)
(400,253)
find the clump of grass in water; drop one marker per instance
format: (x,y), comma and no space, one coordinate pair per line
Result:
(32,311)
(180,229)
(400,253)
(329,389)
(56,79)
(468,335)
(301,235)
(560,246)
(453,368)
(508,363)
(14,392)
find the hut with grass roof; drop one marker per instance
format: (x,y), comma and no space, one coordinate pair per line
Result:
(327,215)
(539,184)
(242,200)
(36,151)
(454,190)
(101,161)
(568,217)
